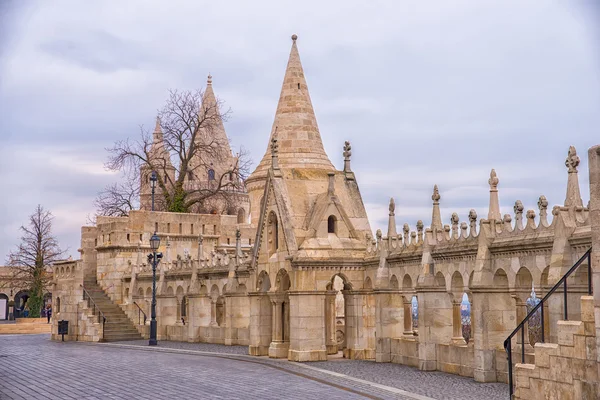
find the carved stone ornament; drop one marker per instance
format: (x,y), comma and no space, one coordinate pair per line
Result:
(392,207)
(493,181)
(542,203)
(572,161)
(347,151)
(472,216)
(518,207)
(436,194)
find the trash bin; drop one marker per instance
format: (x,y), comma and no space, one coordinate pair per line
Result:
(63,328)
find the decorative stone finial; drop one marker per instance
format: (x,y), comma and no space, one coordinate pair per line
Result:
(406,231)
(572,161)
(238,234)
(294,37)
(454,221)
(472,215)
(420,227)
(347,153)
(542,203)
(518,207)
(493,181)
(530,214)
(507,218)
(157,128)
(463,229)
(392,207)
(436,194)
(209,80)
(378,234)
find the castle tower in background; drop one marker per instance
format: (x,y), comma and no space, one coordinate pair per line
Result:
(214,160)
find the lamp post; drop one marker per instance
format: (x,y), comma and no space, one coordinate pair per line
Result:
(154,244)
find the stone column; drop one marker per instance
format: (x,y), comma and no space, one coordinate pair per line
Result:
(166,314)
(278,347)
(435,322)
(360,325)
(330,323)
(408,322)
(457,337)
(213,312)
(594,216)
(307,326)
(261,321)
(388,320)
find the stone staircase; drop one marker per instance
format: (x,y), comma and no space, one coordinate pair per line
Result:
(567,370)
(118,326)
(26,326)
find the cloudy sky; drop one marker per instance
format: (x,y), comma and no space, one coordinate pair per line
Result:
(428,93)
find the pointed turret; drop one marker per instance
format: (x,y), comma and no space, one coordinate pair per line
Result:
(573,198)
(436,217)
(494,208)
(300,144)
(295,125)
(212,133)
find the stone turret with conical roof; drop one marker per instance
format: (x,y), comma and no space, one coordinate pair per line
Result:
(295,127)
(160,160)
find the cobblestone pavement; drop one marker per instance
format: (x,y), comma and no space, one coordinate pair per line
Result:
(33,367)
(436,385)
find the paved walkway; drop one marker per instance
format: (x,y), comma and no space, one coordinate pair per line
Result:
(33,367)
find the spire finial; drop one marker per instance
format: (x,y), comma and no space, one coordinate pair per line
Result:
(436,218)
(436,194)
(494,208)
(572,161)
(294,37)
(573,198)
(157,128)
(209,80)
(392,207)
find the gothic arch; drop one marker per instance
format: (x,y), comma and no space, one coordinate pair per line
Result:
(407,283)
(282,282)
(263,283)
(394,282)
(368,284)
(241,216)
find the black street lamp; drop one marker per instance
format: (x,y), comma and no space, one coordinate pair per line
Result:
(155,258)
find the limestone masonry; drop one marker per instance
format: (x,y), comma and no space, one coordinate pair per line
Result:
(304,277)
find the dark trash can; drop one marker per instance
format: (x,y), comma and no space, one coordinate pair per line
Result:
(63,328)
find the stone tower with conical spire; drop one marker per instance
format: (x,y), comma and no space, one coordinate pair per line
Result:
(295,127)
(310,221)
(161,162)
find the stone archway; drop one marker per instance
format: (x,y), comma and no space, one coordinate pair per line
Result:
(20,300)
(261,316)
(335,314)
(280,303)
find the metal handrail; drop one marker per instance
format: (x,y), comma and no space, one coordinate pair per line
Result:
(142,311)
(94,307)
(540,306)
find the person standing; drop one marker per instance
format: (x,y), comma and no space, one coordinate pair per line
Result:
(26,310)
(49,312)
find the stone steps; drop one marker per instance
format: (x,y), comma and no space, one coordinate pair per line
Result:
(118,326)
(31,320)
(16,329)
(564,370)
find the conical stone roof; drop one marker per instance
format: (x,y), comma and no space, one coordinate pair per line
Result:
(295,125)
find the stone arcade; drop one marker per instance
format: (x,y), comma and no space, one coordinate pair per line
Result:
(305,278)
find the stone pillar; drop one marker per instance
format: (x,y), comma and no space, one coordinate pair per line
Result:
(408,322)
(330,324)
(199,312)
(237,319)
(457,337)
(213,312)
(594,216)
(307,326)
(388,321)
(435,322)
(260,324)
(278,347)
(360,325)
(166,314)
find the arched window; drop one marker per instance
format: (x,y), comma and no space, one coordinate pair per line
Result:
(57,304)
(331,222)
(211,174)
(241,216)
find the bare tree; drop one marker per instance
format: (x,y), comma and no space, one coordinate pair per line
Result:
(31,260)
(192,146)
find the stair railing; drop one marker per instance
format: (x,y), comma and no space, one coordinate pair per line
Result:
(92,304)
(540,306)
(140,312)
